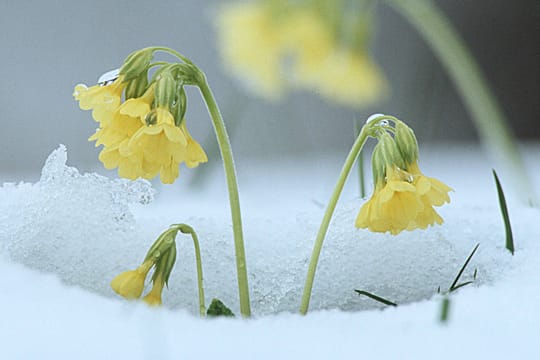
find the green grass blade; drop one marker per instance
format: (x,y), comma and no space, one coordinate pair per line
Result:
(504,211)
(445,309)
(453,286)
(461,285)
(376,298)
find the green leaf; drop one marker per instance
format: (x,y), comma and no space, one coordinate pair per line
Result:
(217,308)
(506,218)
(376,298)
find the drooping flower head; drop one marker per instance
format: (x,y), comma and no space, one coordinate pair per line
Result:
(161,256)
(146,134)
(403,198)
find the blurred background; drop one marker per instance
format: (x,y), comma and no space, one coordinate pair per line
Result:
(50,46)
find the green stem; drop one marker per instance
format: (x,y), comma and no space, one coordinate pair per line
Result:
(172,52)
(361,175)
(186,229)
(230,174)
(490,123)
(349,162)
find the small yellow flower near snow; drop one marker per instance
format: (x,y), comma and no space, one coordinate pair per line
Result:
(130,284)
(403,198)
(153,298)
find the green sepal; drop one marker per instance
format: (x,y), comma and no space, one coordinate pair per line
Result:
(136,63)
(165,90)
(162,244)
(406,142)
(217,308)
(136,87)
(180,105)
(378,165)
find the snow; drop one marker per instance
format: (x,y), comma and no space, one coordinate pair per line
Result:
(65,237)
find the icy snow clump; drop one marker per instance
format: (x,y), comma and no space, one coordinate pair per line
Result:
(70,224)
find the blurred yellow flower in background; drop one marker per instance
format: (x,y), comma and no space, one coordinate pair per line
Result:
(273,47)
(253,47)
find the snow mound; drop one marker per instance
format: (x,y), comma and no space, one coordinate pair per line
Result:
(70,224)
(81,228)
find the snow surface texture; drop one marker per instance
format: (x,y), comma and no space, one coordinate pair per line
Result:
(85,229)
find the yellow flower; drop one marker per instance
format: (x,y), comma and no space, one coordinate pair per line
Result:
(153,298)
(393,205)
(103,100)
(130,284)
(348,77)
(432,192)
(158,148)
(311,42)
(253,47)
(403,201)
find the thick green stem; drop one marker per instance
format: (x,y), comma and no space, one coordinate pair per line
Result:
(186,229)
(349,162)
(230,174)
(489,120)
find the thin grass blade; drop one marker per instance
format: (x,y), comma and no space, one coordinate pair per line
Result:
(452,287)
(504,211)
(461,285)
(445,309)
(376,298)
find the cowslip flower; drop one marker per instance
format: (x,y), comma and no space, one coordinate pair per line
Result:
(153,298)
(160,148)
(394,205)
(403,198)
(103,100)
(130,284)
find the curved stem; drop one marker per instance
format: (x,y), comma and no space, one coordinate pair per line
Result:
(489,120)
(349,162)
(172,52)
(230,174)
(186,229)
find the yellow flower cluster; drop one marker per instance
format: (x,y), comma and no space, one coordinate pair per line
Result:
(140,137)
(403,198)
(271,49)
(403,202)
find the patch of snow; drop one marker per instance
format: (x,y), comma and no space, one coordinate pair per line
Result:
(65,237)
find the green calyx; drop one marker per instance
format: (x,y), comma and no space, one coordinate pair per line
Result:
(406,142)
(137,86)
(163,254)
(165,90)
(136,63)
